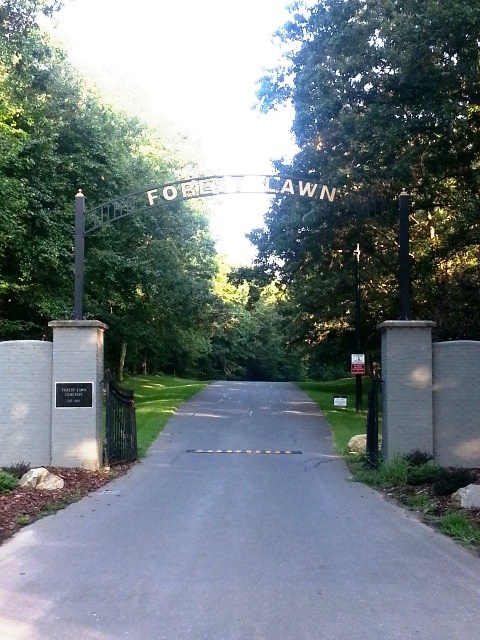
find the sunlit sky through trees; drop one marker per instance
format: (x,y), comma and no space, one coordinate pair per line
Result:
(196,63)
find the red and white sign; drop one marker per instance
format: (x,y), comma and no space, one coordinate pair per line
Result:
(358,364)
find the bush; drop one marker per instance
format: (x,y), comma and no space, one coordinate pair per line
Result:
(393,473)
(417,458)
(17,470)
(422,474)
(7,482)
(450,480)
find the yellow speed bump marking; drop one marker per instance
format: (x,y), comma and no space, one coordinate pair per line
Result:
(248,451)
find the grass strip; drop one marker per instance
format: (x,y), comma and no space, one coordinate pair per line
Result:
(344,422)
(457,525)
(156,400)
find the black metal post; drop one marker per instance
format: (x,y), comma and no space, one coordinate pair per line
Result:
(404,241)
(372,421)
(358,377)
(79,254)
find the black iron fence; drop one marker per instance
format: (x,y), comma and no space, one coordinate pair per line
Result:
(121,426)
(372,420)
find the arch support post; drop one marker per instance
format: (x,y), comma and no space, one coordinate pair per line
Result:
(404,242)
(79,254)
(77,393)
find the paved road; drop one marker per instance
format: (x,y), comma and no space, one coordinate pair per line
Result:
(238,546)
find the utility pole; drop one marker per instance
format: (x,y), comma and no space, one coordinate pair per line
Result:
(358,377)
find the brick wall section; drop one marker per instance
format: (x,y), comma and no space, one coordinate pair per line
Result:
(456,403)
(25,402)
(78,357)
(407,389)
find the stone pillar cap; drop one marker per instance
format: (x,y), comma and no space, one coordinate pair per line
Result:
(77,324)
(406,324)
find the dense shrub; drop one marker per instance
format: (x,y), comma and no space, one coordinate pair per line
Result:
(17,470)
(450,480)
(422,474)
(7,482)
(417,458)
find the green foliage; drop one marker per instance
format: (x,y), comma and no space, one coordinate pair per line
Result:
(422,473)
(450,480)
(248,338)
(457,525)
(17,470)
(421,503)
(7,482)
(418,458)
(386,98)
(149,278)
(395,472)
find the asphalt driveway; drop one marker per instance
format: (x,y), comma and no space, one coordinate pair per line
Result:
(241,524)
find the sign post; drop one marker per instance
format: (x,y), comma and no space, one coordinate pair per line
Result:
(358,377)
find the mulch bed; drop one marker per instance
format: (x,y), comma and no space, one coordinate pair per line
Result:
(442,504)
(23,506)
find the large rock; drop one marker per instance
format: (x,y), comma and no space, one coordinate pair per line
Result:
(40,478)
(358,444)
(468,497)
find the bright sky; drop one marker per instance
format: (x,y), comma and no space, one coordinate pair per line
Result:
(197,63)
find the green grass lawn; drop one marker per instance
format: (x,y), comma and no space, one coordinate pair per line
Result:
(344,422)
(156,400)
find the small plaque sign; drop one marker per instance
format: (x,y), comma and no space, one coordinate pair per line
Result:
(339,401)
(71,395)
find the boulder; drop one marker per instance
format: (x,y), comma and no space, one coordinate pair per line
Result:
(40,478)
(357,444)
(468,497)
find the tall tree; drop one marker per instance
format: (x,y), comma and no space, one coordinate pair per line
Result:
(386,96)
(148,277)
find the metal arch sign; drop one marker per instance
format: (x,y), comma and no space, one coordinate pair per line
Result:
(220,185)
(88,221)
(204,187)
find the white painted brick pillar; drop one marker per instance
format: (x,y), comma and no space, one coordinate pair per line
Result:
(77,393)
(407,387)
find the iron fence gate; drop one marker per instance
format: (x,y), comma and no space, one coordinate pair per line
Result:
(120,424)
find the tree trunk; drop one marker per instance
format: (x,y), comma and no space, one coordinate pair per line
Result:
(121,364)
(144,363)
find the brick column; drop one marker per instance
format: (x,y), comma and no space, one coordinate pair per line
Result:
(407,387)
(77,393)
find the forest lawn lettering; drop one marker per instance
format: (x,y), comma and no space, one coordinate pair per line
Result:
(240,184)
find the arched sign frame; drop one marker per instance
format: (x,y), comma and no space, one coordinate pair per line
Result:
(88,221)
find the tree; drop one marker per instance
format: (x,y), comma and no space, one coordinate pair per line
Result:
(386,97)
(148,277)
